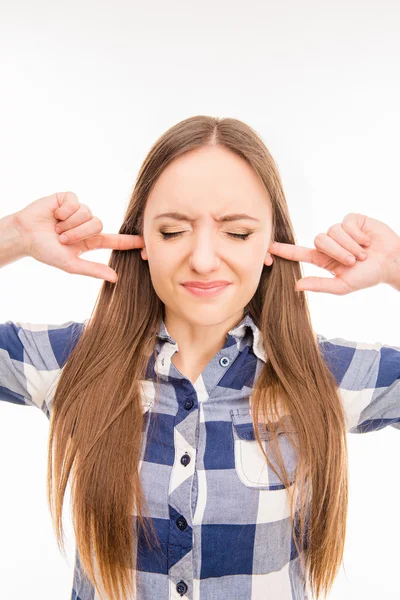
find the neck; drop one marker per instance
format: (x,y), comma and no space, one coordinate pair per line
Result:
(198,342)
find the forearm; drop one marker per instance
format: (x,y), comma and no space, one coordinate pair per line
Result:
(12,244)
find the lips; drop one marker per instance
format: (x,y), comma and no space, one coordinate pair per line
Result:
(205,285)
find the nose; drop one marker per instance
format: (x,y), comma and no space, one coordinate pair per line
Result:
(204,256)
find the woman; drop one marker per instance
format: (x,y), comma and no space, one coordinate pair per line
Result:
(202,420)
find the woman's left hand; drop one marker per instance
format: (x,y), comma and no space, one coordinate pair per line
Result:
(356,234)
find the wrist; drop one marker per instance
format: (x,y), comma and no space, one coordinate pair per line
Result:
(13,244)
(394,269)
(23,233)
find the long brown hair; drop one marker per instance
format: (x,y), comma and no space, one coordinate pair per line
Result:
(97,413)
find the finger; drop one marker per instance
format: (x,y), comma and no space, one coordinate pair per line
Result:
(339,249)
(82,215)
(81,232)
(115,241)
(353,224)
(79,266)
(345,240)
(68,204)
(323,284)
(293,252)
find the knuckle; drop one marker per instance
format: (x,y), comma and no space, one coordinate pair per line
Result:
(318,238)
(98,222)
(66,200)
(72,199)
(334,227)
(68,268)
(86,210)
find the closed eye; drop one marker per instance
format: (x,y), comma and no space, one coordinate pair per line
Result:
(242,236)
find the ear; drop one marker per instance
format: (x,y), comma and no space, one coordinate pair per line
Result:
(143,253)
(268,260)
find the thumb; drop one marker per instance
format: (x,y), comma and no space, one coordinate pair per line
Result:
(327,285)
(79,266)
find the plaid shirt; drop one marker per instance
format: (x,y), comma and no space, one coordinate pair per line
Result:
(220,512)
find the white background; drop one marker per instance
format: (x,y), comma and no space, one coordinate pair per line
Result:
(88,86)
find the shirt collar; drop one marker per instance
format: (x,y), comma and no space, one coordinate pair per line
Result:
(242,329)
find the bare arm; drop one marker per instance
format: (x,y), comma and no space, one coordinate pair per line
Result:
(12,242)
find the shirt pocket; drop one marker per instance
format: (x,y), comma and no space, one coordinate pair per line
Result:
(250,464)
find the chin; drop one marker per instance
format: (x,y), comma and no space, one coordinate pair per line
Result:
(210,315)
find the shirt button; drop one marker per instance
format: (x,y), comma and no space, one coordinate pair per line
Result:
(224,361)
(181,588)
(188,404)
(181,523)
(185,459)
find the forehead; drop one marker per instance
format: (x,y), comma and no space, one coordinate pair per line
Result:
(208,180)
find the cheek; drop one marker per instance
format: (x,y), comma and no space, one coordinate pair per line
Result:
(158,252)
(161,264)
(250,256)
(160,278)
(250,263)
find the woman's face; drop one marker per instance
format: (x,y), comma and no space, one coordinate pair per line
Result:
(204,185)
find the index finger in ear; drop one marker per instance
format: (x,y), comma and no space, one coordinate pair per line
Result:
(116,241)
(293,252)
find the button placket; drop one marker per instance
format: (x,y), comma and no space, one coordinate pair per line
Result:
(188,404)
(181,523)
(224,361)
(185,459)
(181,588)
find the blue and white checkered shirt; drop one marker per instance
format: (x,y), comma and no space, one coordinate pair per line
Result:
(220,513)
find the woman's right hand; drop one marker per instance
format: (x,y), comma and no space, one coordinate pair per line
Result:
(43,221)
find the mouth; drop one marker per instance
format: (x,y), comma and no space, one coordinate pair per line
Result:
(210,290)
(205,284)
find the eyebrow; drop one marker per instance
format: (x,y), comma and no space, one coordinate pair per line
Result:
(181,217)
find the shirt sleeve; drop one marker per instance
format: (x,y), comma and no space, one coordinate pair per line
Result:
(31,359)
(368,376)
